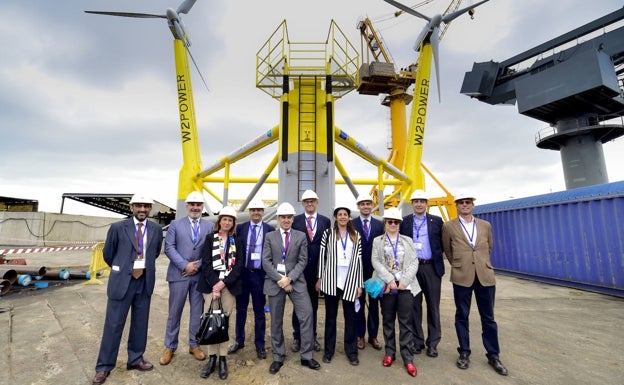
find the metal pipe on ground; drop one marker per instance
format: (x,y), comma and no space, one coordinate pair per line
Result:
(21,269)
(57,273)
(10,275)
(5,286)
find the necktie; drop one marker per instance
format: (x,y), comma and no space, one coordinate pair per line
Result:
(286,242)
(309,226)
(366,229)
(195,231)
(253,239)
(136,273)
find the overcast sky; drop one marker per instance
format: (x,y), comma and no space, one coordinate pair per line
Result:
(88,102)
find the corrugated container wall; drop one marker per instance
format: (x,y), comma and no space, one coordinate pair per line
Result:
(573,238)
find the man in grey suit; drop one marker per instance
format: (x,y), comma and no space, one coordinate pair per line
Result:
(131,249)
(284,257)
(183,244)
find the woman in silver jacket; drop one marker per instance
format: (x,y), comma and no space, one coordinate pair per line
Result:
(340,278)
(394,260)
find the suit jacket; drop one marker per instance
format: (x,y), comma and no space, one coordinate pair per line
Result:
(314,245)
(209,277)
(181,250)
(242,232)
(296,260)
(466,261)
(434,230)
(410,263)
(120,252)
(376,228)
(328,266)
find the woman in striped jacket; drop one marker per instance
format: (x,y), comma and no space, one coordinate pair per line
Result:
(340,278)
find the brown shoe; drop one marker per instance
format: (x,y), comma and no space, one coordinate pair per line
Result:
(100,377)
(374,343)
(197,353)
(166,357)
(360,343)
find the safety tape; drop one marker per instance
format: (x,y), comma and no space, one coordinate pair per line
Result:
(41,249)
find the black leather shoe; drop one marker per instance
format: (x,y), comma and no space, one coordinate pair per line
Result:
(311,363)
(418,349)
(275,367)
(354,361)
(296,346)
(142,366)
(223,370)
(235,347)
(498,366)
(100,377)
(317,346)
(463,361)
(210,367)
(327,358)
(432,352)
(261,352)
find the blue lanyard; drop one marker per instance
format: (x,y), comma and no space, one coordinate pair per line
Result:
(418,227)
(309,221)
(394,249)
(139,240)
(195,228)
(470,236)
(344,244)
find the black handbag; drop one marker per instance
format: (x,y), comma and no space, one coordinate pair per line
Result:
(213,328)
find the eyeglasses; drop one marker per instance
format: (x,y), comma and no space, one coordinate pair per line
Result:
(464,202)
(393,221)
(309,201)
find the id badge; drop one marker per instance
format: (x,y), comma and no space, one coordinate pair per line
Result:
(281,268)
(139,264)
(343,262)
(255,256)
(398,275)
(418,246)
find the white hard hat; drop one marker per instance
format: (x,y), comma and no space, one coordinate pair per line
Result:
(462,195)
(229,211)
(195,197)
(256,204)
(364,198)
(140,198)
(342,206)
(419,194)
(285,209)
(393,213)
(308,194)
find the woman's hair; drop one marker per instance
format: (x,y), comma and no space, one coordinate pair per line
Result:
(218,225)
(350,228)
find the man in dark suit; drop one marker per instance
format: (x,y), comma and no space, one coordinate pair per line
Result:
(313,224)
(252,235)
(467,243)
(425,230)
(183,244)
(131,249)
(369,229)
(284,257)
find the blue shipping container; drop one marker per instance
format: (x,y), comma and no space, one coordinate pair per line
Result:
(573,238)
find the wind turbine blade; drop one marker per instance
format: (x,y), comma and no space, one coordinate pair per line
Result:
(186,6)
(129,14)
(453,15)
(421,37)
(435,41)
(407,9)
(197,68)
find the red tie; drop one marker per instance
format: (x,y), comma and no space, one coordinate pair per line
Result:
(286,242)
(136,273)
(309,226)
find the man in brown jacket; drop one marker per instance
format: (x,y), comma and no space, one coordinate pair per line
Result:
(467,244)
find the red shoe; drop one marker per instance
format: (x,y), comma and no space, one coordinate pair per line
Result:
(411,369)
(387,361)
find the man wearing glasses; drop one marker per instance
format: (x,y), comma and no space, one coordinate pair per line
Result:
(467,244)
(425,230)
(313,224)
